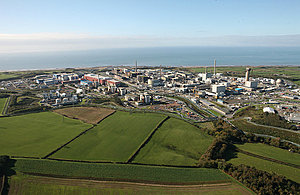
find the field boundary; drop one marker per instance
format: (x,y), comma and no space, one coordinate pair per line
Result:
(80,134)
(268,159)
(146,140)
(238,182)
(106,162)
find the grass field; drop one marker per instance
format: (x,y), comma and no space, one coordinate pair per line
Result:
(271,152)
(175,143)
(122,172)
(87,114)
(114,139)
(2,103)
(290,172)
(248,127)
(47,185)
(7,75)
(36,134)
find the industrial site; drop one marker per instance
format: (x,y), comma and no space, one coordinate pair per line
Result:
(199,96)
(160,125)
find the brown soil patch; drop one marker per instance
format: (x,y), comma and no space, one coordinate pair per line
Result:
(92,115)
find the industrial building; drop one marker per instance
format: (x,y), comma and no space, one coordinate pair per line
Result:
(218,89)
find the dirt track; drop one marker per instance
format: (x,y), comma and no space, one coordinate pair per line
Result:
(131,186)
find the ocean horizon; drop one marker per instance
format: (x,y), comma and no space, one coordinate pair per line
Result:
(165,56)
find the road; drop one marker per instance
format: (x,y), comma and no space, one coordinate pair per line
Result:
(279,128)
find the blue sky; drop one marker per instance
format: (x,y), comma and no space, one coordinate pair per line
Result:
(132,23)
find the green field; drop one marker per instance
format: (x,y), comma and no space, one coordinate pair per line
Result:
(47,185)
(123,172)
(2,103)
(290,172)
(8,75)
(271,152)
(175,143)
(36,134)
(114,139)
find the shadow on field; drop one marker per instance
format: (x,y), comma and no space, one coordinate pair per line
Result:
(6,170)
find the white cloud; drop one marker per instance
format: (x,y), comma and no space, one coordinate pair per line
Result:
(64,42)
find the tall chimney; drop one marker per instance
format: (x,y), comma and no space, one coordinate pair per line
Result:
(215,63)
(247,74)
(160,72)
(136,66)
(205,69)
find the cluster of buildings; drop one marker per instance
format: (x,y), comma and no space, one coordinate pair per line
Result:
(61,78)
(138,87)
(59,97)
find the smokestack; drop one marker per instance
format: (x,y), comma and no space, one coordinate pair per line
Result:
(215,63)
(136,66)
(160,72)
(205,69)
(247,74)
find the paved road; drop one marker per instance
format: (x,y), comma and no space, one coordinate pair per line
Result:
(279,128)
(263,135)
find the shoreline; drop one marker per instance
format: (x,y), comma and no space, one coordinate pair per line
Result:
(143,66)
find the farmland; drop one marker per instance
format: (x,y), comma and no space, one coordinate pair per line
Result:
(175,143)
(90,115)
(122,172)
(36,134)
(271,152)
(114,139)
(2,104)
(290,172)
(48,185)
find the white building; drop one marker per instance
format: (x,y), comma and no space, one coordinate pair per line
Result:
(269,110)
(205,76)
(147,99)
(154,82)
(251,84)
(218,88)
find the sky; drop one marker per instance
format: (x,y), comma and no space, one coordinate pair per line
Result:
(54,25)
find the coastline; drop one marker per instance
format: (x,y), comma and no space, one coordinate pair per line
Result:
(128,66)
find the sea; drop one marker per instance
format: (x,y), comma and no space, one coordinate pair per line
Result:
(165,56)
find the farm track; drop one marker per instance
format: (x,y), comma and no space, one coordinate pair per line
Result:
(85,131)
(268,159)
(131,187)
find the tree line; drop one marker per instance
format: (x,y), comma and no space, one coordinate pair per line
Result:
(222,149)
